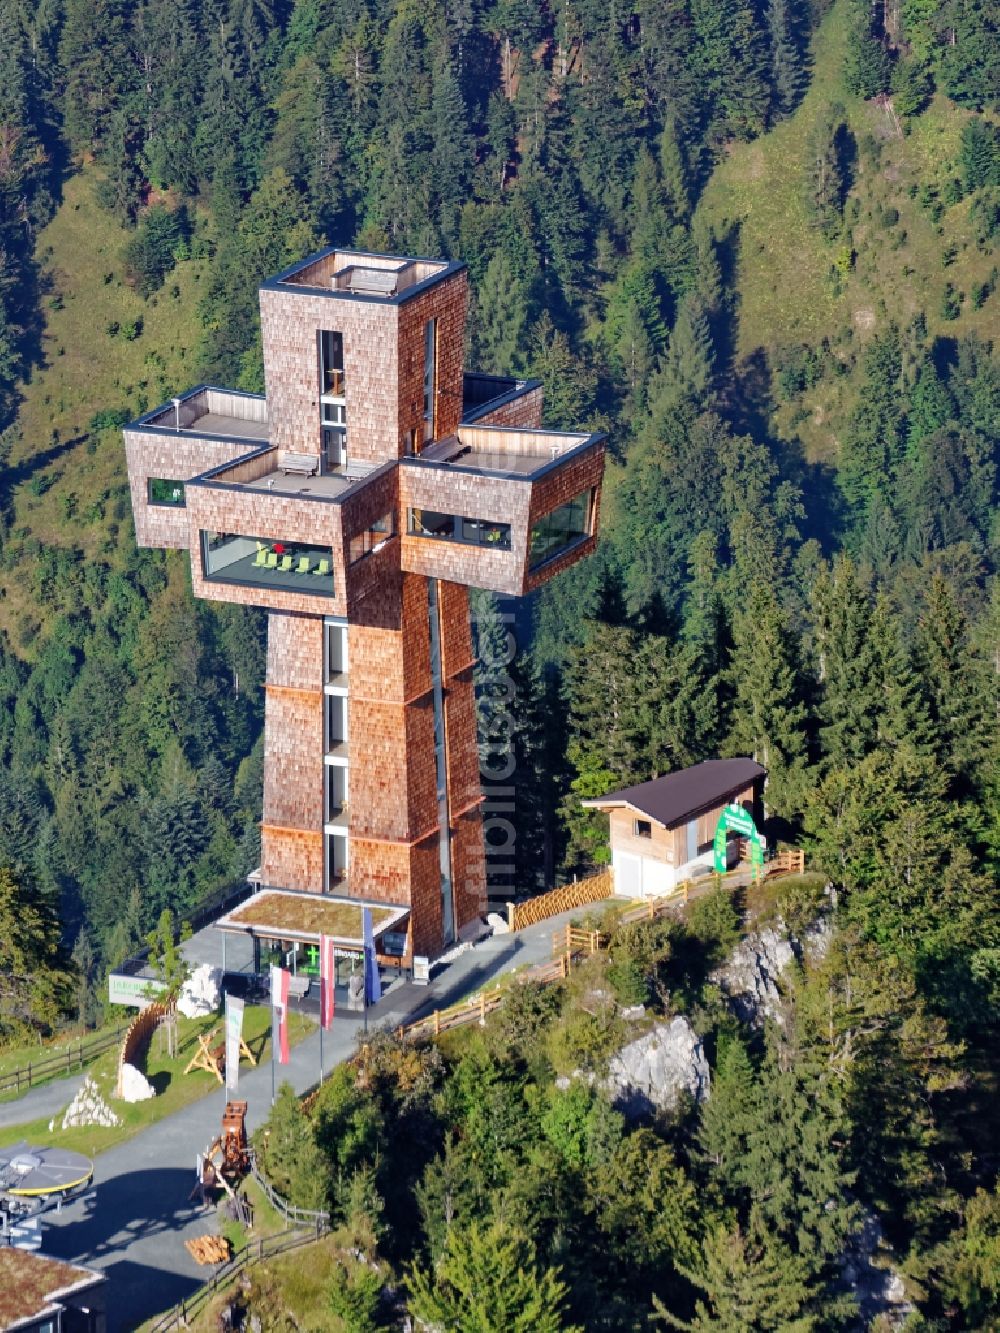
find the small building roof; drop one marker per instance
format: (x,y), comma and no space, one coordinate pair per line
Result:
(677,797)
(31,1285)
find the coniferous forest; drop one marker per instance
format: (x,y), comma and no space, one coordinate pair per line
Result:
(756,241)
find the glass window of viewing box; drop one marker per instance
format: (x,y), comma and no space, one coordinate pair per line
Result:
(290,565)
(565,526)
(455,528)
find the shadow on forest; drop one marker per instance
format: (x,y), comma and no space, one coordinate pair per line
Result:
(26,469)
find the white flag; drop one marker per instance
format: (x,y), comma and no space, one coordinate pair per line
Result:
(234,1032)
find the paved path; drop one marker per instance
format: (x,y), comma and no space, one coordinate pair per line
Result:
(134,1223)
(48,1100)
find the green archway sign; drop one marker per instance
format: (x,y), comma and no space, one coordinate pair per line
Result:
(740,821)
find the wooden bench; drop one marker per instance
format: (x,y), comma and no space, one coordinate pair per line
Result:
(304,464)
(373,281)
(356,470)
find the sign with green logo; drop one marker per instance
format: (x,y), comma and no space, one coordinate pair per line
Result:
(739,820)
(137,991)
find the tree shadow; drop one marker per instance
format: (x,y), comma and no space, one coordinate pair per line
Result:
(26,469)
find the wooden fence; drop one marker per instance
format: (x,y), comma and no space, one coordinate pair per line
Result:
(77,1055)
(573,942)
(564,899)
(137,1036)
(790,862)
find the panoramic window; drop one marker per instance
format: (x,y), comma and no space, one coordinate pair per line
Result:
(372,539)
(561,529)
(455,528)
(292,566)
(163,492)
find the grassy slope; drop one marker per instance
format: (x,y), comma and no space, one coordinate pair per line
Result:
(88,371)
(784,292)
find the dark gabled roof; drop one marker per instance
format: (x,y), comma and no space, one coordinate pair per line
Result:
(676,797)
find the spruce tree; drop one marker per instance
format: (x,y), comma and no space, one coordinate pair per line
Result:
(768,712)
(848,700)
(787,75)
(489,1281)
(726,1119)
(750,1283)
(901,709)
(690,366)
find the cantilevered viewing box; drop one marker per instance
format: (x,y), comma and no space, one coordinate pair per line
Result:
(357,501)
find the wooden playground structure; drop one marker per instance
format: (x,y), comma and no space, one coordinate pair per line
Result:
(211,1056)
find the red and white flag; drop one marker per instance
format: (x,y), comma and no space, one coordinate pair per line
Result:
(279,1011)
(327,980)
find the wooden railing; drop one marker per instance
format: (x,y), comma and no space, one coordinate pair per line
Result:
(564,899)
(253,1252)
(576,943)
(137,1036)
(790,862)
(471,1010)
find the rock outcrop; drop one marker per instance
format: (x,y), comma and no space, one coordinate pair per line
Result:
(201,994)
(654,1072)
(88,1107)
(869,1275)
(751,976)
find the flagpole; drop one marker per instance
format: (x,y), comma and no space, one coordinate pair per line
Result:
(322,1015)
(272,1039)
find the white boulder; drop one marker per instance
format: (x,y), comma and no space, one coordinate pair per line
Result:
(657,1070)
(134,1086)
(201,994)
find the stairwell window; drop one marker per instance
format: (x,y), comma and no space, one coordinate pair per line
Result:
(430,378)
(331,347)
(372,539)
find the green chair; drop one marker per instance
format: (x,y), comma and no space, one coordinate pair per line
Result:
(303,566)
(260,558)
(322,568)
(286,564)
(272,560)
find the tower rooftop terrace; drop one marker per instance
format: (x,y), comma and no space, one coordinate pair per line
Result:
(361,275)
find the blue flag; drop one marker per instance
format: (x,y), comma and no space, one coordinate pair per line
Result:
(373,982)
